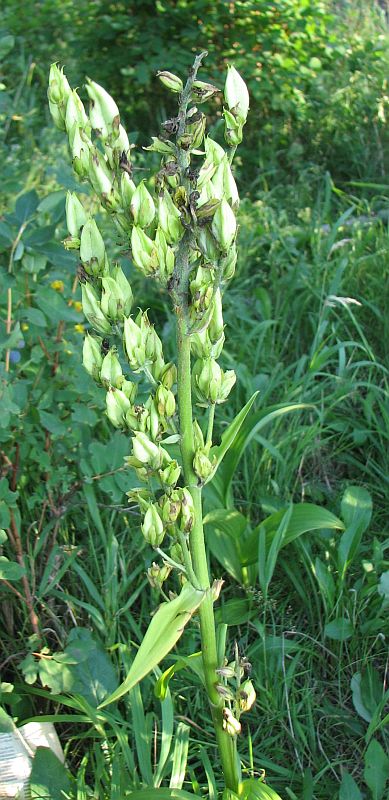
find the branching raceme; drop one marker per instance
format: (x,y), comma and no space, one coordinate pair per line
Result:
(181,230)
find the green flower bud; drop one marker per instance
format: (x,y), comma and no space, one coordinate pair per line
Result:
(92,249)
(203,91)
(154,423)
(229,185)
(176,553)
(140,496)
(170,474)
(159,146)
(171,81)
(228,381)
(229,263)
(144,252)
(233,129)
(224,225)
(75,114)
(75,214)
(236,94)
(92,309)
(137,417)
(207,380)
(130,389)
(157,575)
(202,465)
(134,344)
(101,177)
(58,94)
(170,507)
(114,152)
(91,356)
(169,218)
(187,516)
(206,211)
(127,189)
(195,127)
(214,152)
(153,344)
(164,255)
(124,287)
(113,303)
(168,376)
(111,373)
(246,696)
(152,527)
(117,407)
(103,113)
(142,206)
(146,451)
(207,244)
(80,145)
(165,401)
(198,436)
(231,725)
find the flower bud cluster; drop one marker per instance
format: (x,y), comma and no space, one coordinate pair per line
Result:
(172,512)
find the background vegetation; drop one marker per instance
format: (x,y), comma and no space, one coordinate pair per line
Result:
(311,299)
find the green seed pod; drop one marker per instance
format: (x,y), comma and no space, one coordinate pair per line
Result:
(92,249)
(103,113)
(176,553)
(155,427)
(229,263)
(246,696)
(152,527)
(195,127)
(198,437)
(187,516)
(117,407)
(101,178)
(91,356)
(231,725)
(142,206)
(224,225)
(165,401)
(214,152)
(75,214)
(207,244)
(144,252)
(164,255)
(112,303)
(111,373)
(169,218)
(171,81)
(130,389)
(124,288)
(114,152)
(236,94)
(92,309)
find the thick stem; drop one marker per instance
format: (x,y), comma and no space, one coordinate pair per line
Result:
(199,557)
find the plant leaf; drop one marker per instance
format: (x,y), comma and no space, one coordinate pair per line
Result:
(257,790)
(48,776)
(348,788)
(339,629)
(229,436)
(162,634)
(195,662)
(376,771)
(356,511)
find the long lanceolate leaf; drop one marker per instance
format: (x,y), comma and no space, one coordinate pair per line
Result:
(162,634)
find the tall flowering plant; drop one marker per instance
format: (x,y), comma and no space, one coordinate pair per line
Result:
(181,230)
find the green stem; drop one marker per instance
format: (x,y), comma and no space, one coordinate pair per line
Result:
(199,557)
(211,418)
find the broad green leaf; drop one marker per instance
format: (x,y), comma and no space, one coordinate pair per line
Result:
(383,586)
(25,205)
(339,629)
(195,662)
(229,436)
(7,43)
(376,771)
(162,634)
(356,512)
(304,517)
(48,780)
(257,790)
(225,530)
(348,788)
(52,423)
(10,570)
